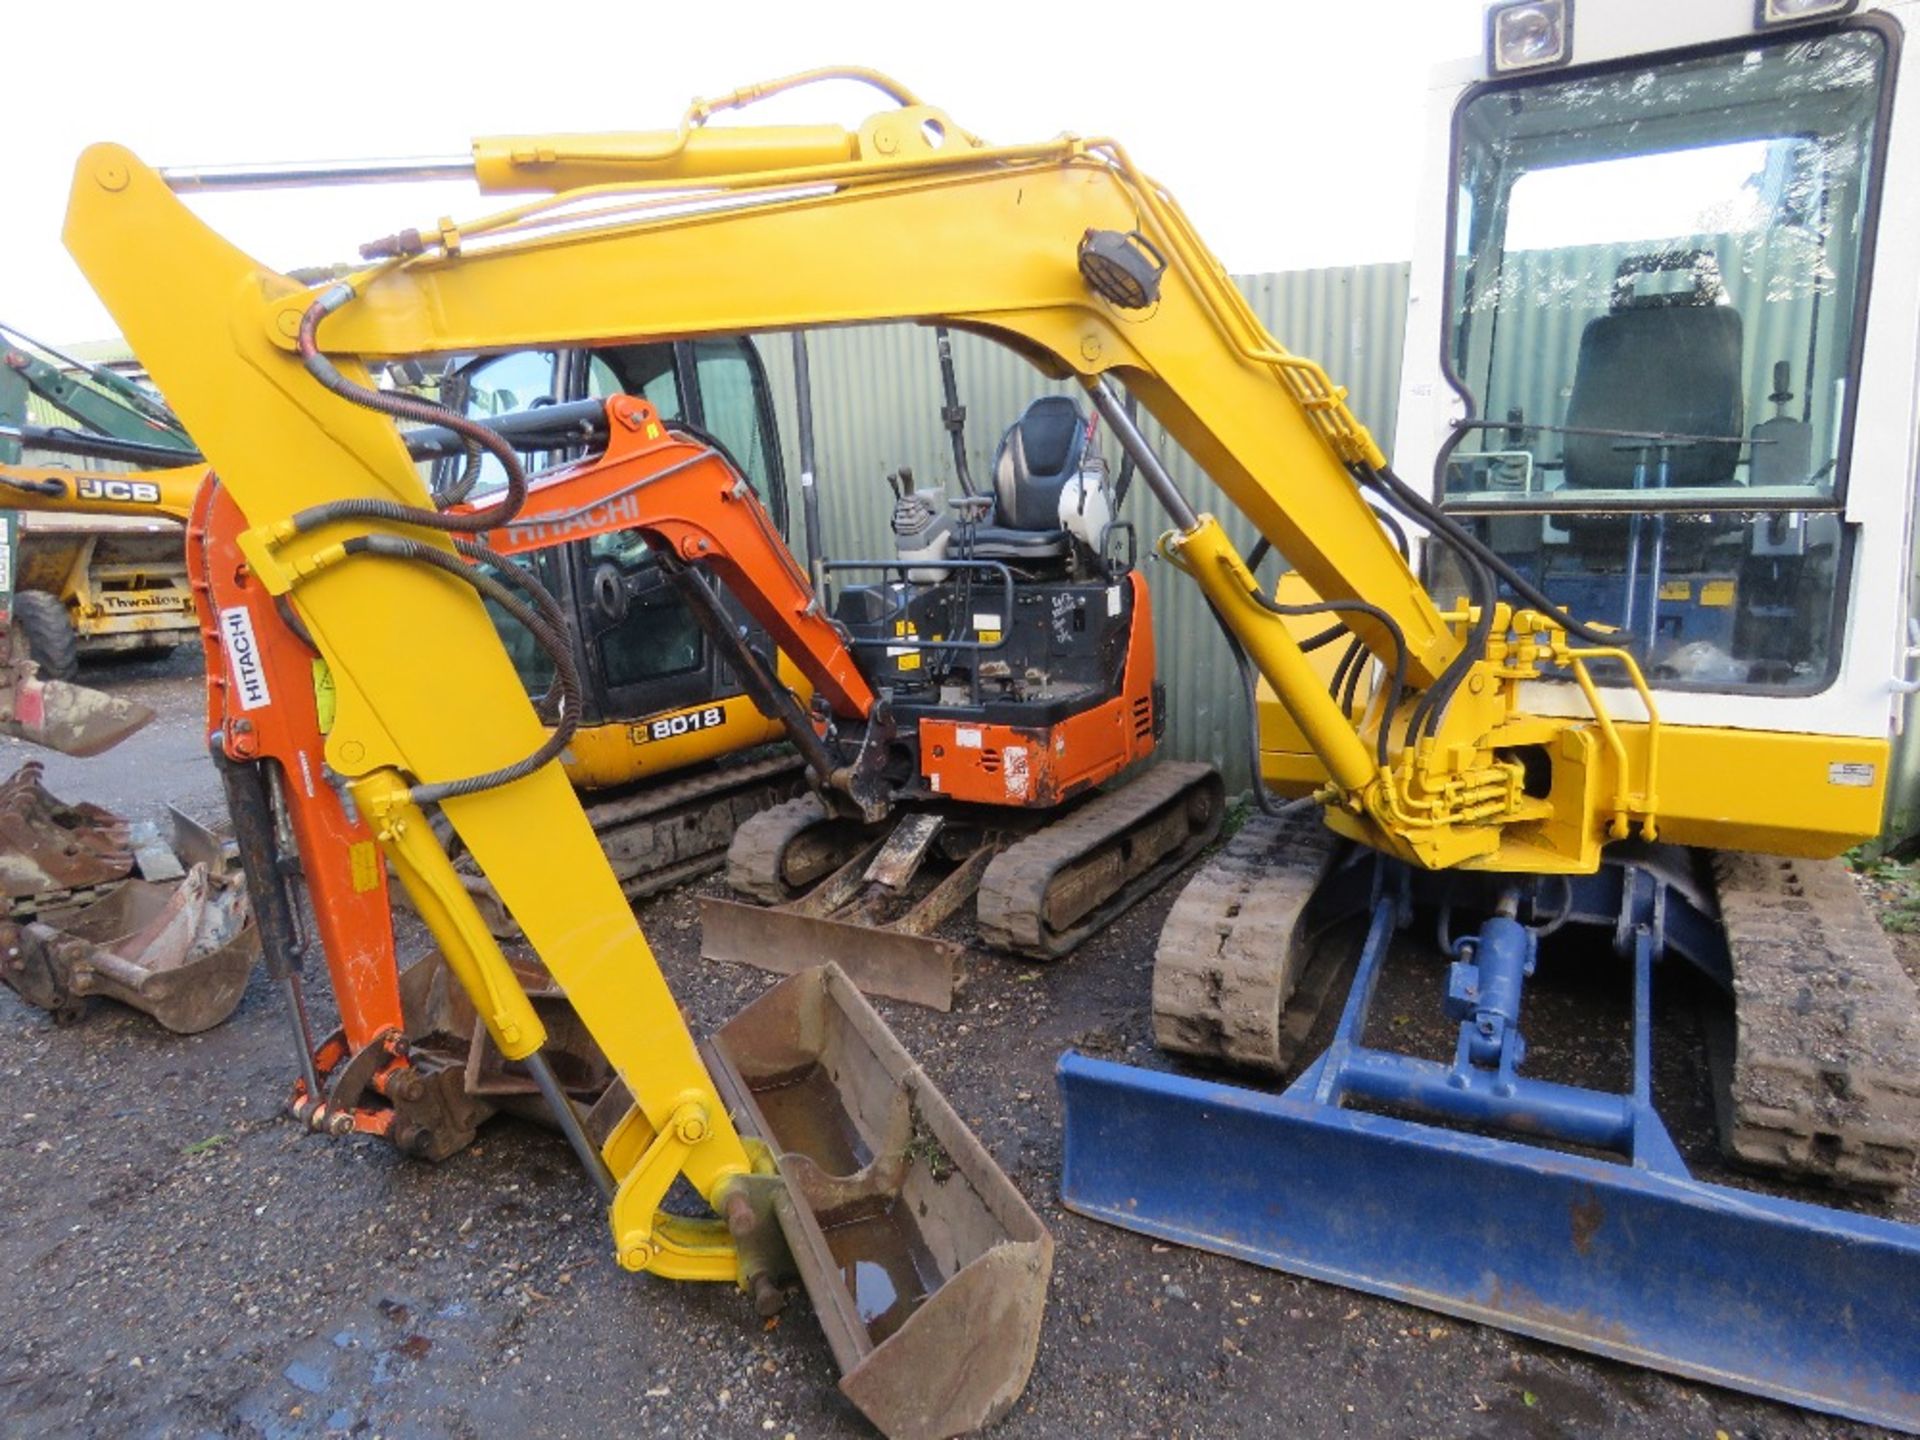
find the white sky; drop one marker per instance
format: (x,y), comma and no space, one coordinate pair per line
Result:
(1289,129)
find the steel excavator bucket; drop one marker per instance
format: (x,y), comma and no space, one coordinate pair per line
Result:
(927,1268)
(182,953)
(71,719)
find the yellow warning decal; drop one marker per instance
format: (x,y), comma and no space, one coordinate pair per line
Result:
(1717,592)
(325,700)
(364,858)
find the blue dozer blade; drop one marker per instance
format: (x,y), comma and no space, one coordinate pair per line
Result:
(1798,1302)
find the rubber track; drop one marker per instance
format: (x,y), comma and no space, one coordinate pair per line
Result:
(1825,1078)
(754,858)
(666,834)
(1013,891)
(1232,950)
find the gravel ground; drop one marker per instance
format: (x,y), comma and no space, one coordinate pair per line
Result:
(176,1259)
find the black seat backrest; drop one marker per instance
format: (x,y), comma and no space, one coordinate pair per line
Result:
(1040,452)
(1667,363)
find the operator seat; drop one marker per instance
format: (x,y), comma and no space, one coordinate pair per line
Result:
(1038,455)
(1664,363)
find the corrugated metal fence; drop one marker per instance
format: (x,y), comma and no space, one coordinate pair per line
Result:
(876,407)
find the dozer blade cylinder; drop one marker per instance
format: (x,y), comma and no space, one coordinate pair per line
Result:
(927,1268)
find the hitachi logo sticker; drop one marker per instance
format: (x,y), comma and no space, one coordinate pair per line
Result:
(243,658)
(618,514)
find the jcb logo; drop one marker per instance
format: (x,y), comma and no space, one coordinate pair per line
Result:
(121,492)
(668,726)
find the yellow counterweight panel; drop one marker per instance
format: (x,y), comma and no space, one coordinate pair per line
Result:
(620,752)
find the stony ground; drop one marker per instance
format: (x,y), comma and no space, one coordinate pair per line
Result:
(177,1259)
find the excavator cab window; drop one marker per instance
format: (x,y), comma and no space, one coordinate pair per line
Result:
(640,647)
(1655,307)
(730,386)
(645,646)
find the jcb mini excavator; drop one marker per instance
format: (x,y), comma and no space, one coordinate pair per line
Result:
(672,753)
(1495,738)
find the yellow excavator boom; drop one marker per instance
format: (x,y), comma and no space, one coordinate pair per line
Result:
(1066,253)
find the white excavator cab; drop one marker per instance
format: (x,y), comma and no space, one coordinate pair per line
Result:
(1661,346)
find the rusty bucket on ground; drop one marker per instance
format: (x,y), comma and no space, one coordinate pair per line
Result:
(182,953)
(926,1266)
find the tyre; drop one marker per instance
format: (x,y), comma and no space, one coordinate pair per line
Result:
(42,622)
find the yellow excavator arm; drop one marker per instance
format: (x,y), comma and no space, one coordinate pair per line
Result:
(142,494)
(1061,250)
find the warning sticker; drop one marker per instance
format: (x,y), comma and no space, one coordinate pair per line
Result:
(363,861)
(967,737)
(1850,773)
(983,621)
(1113,601)
(1013,765)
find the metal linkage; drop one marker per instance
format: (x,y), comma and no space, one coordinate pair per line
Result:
(1483,1085)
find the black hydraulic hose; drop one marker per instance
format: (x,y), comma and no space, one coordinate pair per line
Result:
(1433,516)
(1350,691)
(250,805)
(1250,693)
(1427,715)
(560,650)
(543,620)
(402,407)
(1380,617)
(567,678)
(1124,480)
(953,414)
(1394,528)
(1473,555)
(1349,658)
(469,476)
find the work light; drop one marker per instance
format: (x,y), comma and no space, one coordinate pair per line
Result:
(1794,12)
(1532,35)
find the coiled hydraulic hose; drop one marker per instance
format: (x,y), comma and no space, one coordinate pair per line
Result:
(1482,563)
(403,407)
(540,620)
(1352,607)
(544,619)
